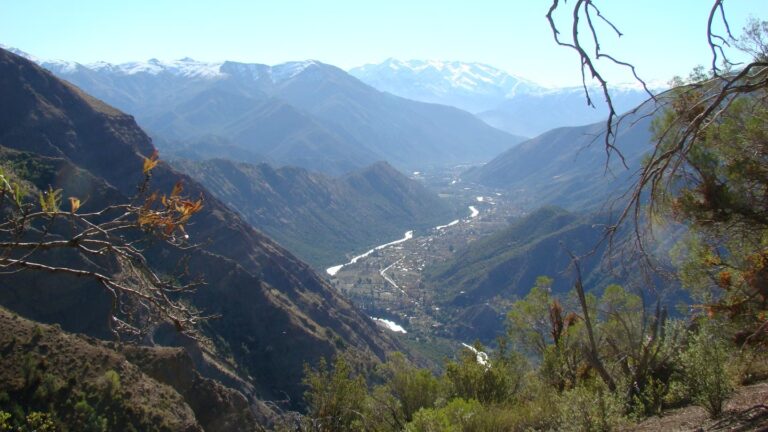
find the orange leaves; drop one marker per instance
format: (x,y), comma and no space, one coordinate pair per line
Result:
(167,213)
(724,279)
(177,189)
(74,204)
(151,162)
(172,214)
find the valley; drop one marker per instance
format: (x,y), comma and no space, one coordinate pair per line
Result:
(304,242)
(387,282)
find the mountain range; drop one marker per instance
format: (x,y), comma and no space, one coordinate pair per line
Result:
(473,87)
(505,101)
(275,312)
(306,114)
(321,218)
(569,166)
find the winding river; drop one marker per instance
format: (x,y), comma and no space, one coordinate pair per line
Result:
(335,269)
(408,235)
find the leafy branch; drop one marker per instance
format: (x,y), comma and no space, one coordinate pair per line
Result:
(105,238)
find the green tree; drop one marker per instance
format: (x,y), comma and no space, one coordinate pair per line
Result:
(705,362)
(641,346)
(335,397)
(527,321)
(413,388)
(487,379)
(708,168)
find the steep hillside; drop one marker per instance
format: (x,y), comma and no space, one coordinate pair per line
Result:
(317,217)
(506,264)
(45,369)
(305,114)
(483,277)
(270,303)
(567,166)
(479,281)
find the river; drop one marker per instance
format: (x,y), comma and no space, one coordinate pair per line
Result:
(335,269)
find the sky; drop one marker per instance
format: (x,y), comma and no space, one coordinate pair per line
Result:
(663,38)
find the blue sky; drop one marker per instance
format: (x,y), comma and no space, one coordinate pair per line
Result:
(663,38)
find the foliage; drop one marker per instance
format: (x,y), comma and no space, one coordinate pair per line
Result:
(705,362)
(497,380)
(641,346)
(335,397)
(526,320)
(110,384)
(590,406)
(411,387)
(457,416)
(38,234)
(721,189)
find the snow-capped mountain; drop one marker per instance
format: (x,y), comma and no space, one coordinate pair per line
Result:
(302,113)
(184,68)
(503,100)
(473,87)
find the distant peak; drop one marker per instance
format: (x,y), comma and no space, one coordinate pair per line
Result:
(20,53)
(442,77)
(286,71)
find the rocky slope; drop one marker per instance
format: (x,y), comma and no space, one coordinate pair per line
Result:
(276,313)
(306,114)
(45,369)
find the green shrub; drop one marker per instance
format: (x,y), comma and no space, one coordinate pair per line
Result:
(456,416)
(590,407)
(40,422)
(650,400)
(336,397)
(496,381)
(86,419)
(110,385)
(5,424)
(706,374)
(412,387)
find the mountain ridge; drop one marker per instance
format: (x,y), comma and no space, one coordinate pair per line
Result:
(307,114)
(322,218)
(503,100)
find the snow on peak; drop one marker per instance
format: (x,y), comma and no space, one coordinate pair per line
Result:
(20,53)
(286,71)
(448,74)
(185,67)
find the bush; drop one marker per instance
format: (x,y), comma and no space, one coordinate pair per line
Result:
(413,388)
(496,381)
(335,397)
(110,385)
(706,374)
(87,419)
(456,416)
(590,407)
